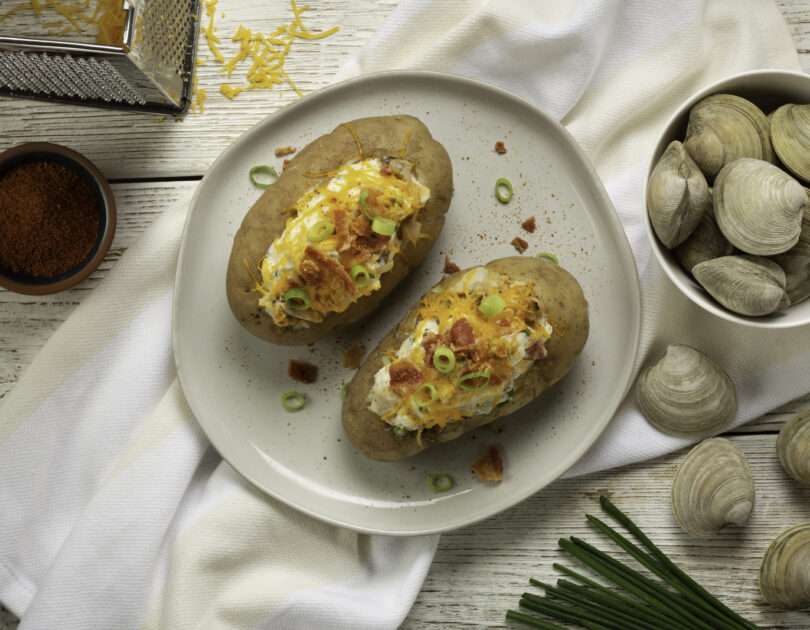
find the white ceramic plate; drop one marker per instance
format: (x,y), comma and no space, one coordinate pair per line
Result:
(234,381)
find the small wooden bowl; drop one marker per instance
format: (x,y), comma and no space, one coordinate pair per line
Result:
(105,202)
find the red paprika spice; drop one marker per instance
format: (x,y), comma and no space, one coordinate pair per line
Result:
(49,221)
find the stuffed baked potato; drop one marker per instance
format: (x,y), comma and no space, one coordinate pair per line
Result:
(349,217)
(479,345)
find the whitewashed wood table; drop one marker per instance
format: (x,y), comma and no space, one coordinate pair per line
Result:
(479,571)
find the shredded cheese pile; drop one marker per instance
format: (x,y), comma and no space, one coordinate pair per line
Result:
(63,17)
(264,55)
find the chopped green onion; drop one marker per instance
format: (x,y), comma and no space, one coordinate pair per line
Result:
(320,230)
(384,226)
(400,431)
(297,299)
(444,359)
(360,275)
(500,347)
(463,384)
(264,170)
(367,211)
(293,401)
(492,305)
(549,256)
(430,390)
(503,190)
(440,483)
(344,389)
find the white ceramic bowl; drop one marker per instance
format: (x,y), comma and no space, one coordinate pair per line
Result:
(768,89)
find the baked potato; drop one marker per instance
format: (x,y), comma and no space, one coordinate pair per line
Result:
(348,218)
(479,345)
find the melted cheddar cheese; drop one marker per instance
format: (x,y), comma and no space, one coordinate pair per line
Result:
(504,347)
(382,188)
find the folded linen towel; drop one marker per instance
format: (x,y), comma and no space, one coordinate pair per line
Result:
(117,513)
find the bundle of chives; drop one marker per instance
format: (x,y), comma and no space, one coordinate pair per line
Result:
(647,605)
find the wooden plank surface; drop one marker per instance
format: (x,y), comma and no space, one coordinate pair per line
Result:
(478,571)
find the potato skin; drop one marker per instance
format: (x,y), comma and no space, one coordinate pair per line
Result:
(379,136)
(563,302)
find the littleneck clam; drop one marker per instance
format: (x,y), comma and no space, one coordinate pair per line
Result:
(723,128)
(712,488)
(704,243)
(749,285)
(796,264)
(793,447)
(686,393)
(790,134)
(677,195)
(784,577)
(758,206)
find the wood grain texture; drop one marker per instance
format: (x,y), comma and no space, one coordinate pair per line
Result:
(479,572)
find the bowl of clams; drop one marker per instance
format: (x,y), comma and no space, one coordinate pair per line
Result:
(727,198)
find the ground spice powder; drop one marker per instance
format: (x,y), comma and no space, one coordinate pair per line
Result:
(49,221)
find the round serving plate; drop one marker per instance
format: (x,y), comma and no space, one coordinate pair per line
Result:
(234,381)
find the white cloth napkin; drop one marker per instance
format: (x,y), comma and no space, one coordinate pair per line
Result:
(117,513)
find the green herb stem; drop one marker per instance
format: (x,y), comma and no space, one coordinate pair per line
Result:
(532,622)
(620,516)
(563,613)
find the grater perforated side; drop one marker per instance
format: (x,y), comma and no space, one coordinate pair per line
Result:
(149,71)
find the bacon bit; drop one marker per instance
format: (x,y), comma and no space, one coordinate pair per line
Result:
(374,243)
(431,341)
(302,372)
(330,267)
(519,244)
(500,147)
(450,267)
(341,220)
(353,356)
(386,169)
(529,224)
(489,466)
(284,164)
(505,318)
(282,151)
(361,226)
(310,271)
(537,350)
(404,374)
(461,335)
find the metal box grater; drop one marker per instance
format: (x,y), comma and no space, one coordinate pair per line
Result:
(150,69)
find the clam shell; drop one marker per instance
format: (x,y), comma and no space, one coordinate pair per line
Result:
(749,285)
(758,206)
(793,447)
(723,128)
(796,264)
(685,393)
(784,577)
(677,196)
(712,488)
(704,243)
(790,135)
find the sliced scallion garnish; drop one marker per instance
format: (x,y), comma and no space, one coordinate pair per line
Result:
(492,305)
(425,394)
(263,170)
(297,299)
(367,211)
(293,401)
(440,483)
(548,256)
(360,275)
(503,190)
(400,431)
(320,230)
(444,359)
(383,226)
(465,384)
(500,347)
